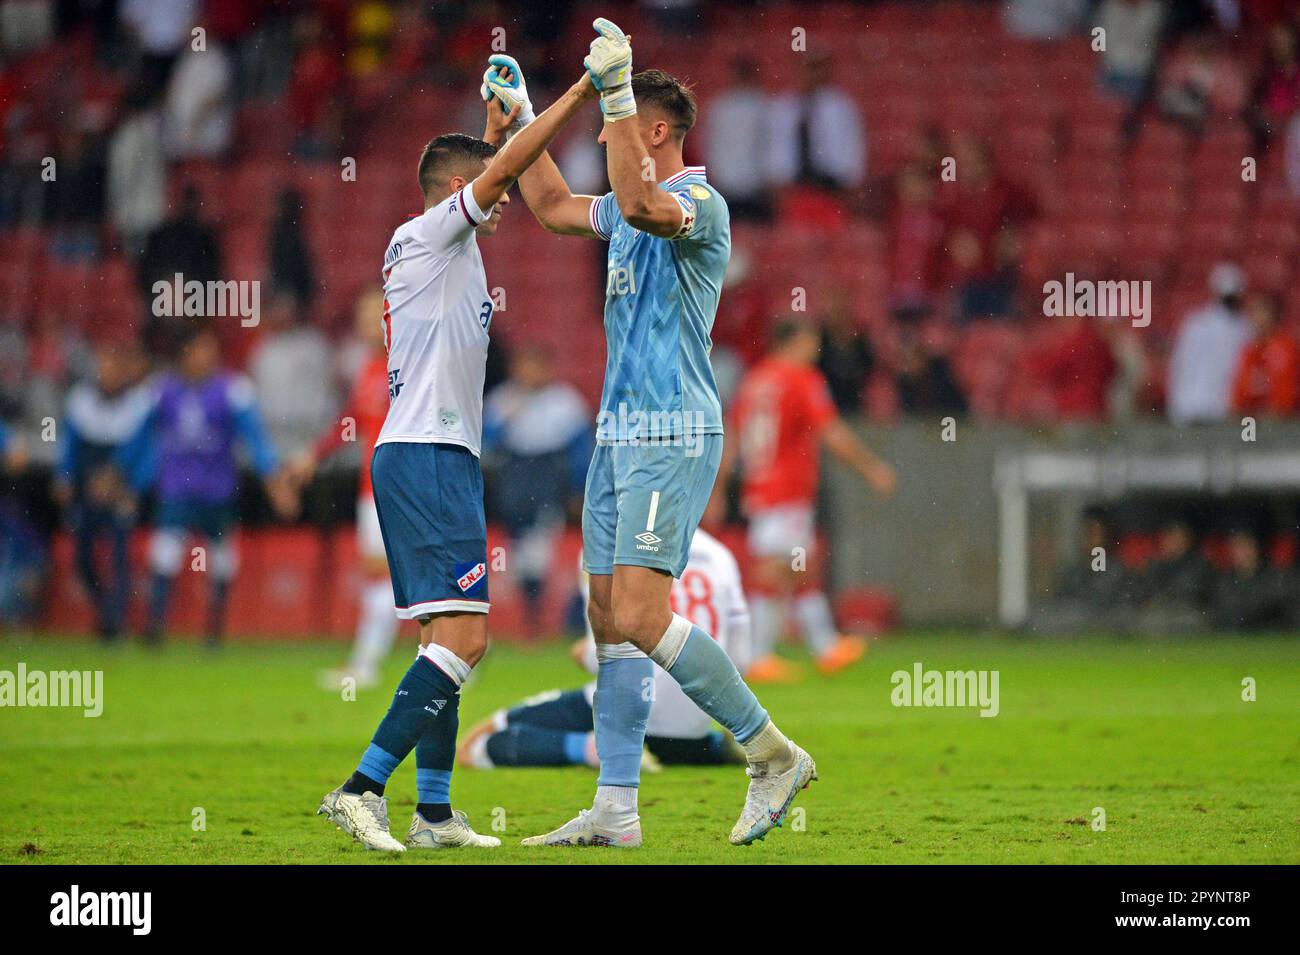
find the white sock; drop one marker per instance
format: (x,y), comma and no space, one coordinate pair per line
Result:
(767,614)
(622,798)
(771,747)
(447,662)
(814,612)
(377,627)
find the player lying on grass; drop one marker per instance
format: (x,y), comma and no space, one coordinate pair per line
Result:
(659,438)
(425,471)
(557,728)
(782,417)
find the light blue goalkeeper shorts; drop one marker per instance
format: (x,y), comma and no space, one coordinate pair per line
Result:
(644,501)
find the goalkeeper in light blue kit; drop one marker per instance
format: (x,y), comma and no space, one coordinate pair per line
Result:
(659,438)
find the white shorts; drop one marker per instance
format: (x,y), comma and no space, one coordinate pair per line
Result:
(370,539)
(777,531)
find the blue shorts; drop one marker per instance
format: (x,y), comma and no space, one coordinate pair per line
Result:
(644,501)
(430,503)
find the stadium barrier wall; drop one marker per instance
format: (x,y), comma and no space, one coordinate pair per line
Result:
(937,544)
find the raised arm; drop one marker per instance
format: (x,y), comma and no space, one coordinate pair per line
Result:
(542,185)
(641,202)
(529,143)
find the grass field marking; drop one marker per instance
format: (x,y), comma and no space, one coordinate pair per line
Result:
(1248,689)
(949,688)
(77,689)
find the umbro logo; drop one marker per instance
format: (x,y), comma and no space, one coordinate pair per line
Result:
(435,706)
(647,537)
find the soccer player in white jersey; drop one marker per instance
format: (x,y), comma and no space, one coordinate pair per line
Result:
(659,438)
(427,484)
(557,729)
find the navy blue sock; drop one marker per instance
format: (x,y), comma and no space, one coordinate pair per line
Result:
(424,693)
(434,755)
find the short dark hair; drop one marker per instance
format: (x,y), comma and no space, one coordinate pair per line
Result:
(449,154)
(665,92)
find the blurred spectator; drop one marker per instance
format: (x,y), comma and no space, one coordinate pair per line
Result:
(292,367)
(1251,595)
(735,142)
(1179,576)
(1291,159)
(184,243)
(1277,91)
(137,175)
(317,83)
(1202,79)
(292,272)
(199,111)
(539,432)
(983,213)
(815,134)
(23,550)
(846,359)
(76,208)
(185,452)
(1207,351)
(1268,375)
(101,416)
(1132,31)
(370,30)
(161,29)
(916,242)
(1094,590)
(1042,19)
(925,379)
(1079,368)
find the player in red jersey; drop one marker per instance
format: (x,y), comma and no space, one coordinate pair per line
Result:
(783,416)
(360,422)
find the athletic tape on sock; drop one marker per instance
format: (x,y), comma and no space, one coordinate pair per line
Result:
(671,643)
(447,662)
(627,650)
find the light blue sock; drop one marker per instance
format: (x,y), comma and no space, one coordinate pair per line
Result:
(713,683)
(624,695)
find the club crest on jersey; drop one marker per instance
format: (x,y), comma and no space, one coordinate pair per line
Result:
(473,578)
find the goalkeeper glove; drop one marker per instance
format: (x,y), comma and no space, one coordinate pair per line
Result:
(511,93)
(610,66)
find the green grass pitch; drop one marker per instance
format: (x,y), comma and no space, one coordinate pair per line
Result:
(1154,733)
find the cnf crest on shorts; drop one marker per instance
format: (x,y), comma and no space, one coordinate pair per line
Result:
(471,579)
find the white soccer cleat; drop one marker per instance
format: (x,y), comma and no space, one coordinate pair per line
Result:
(769,797)
(452,834)
(363,817)
(593,827)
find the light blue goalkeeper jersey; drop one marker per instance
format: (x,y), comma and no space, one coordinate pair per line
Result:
(661,297)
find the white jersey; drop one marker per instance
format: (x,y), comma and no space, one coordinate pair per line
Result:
(436,316)
(708,594)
